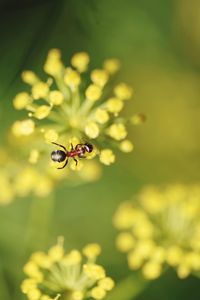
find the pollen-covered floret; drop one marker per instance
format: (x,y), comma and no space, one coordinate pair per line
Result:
(161,228)
(71,276)
(66,105)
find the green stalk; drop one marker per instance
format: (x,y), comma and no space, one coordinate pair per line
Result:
(129,288)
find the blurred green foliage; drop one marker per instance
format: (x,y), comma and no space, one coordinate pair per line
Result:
(158,48)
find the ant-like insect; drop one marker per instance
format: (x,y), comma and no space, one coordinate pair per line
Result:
(80,150)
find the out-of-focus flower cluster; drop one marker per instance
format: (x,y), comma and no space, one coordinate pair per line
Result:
(160,228)
(71,276)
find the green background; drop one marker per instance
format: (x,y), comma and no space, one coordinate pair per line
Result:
(158,44)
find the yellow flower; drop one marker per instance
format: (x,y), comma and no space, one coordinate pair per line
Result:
(107,157)
(126,146)
(40,90)
(93,92)
(117,131)
(123,91)
(25,127)
(99,77)
(65,106)
(53,65)
(72,78)
(91,251)
(80,61)
(29,77)
(160,229)
(21,100)
(92,130)
(111,65)
(114,105)
(56,97)
(66,274)
(101,116)
(42,112)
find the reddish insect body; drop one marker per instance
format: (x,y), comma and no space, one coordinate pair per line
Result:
(79,151)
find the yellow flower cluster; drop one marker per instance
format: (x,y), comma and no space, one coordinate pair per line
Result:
(161,228)
(25,169)
(68,106)
(70,276)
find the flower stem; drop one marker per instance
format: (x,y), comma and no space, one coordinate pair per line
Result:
(129,288)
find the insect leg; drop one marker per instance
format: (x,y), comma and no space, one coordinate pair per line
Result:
(72,147)
(75,160)
(64,165)
(78,145)
(59,145)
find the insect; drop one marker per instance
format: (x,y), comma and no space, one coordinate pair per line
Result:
(79,151)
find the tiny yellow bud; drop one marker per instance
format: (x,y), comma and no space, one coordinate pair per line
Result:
(51,135)
(99,77)
(29,77)
(72,78)
(28,284)
(159,254)
(80,61)
(125,241)
(138,119)
(77,295)
(94,271)
(152,270)
(98,293)
(40,90)
(126,146)
(174,255)
(53,64)
(107,157)
(117,131)
(106,283)
(41,259)
(91,251)
(73,258)
(21,100)
(101,116)
(33,157)
(135,260)
(34,294)
(56,97)
(183,271)
(56,253)
(42,112)
(30,268)
(25,127)
(114,105)
(92,130)
(111,65)
(123,91)
(93,92)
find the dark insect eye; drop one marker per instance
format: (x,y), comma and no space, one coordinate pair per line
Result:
(89,147)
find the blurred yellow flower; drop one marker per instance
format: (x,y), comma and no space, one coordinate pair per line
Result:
(162,227)
(71,276)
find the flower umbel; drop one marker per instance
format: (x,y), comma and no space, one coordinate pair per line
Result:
(161,228)
(72,105)
(73,276)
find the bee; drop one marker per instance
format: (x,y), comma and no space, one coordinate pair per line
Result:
(79,151)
